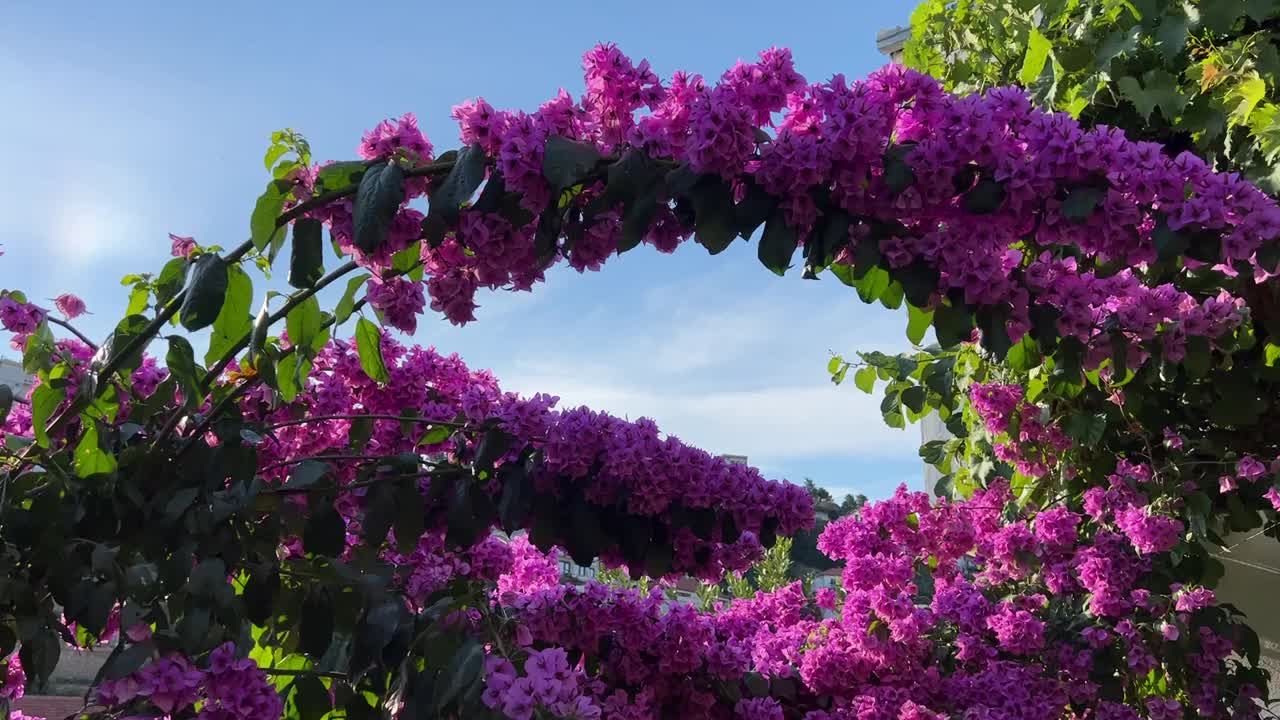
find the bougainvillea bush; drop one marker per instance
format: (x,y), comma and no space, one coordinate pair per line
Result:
(302,521)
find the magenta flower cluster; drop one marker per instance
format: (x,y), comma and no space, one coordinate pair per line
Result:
(229,688)
(612,462)
(762,123)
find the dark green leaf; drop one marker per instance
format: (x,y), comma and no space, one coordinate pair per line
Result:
(410,517)
(325,532)
(315,629)
(1081,202)
(632,176)
(1087,428)
(260,591)
(39,655)
(306,474)
(369,344)
(181,362)
(757,684)
(566,162)
(715,225)
(952,324)
(994,319)
(777,244)
(463,526)
(234,321)
(517,496)
(306,261)
(262,224)
(6,402)
(459,185)
(463,670)
(492,446)
(898,175)
(205,292)
(377,201)
(913,397)
(985,197)
(311,698)
(756,207)
(124,661)
(379,512)
(637,219)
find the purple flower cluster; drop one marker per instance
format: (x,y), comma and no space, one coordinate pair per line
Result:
(613,463)
(230,688)
(831,137)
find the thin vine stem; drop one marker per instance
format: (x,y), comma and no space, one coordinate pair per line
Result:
(64,324)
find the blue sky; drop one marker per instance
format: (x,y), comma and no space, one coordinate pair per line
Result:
(126,121)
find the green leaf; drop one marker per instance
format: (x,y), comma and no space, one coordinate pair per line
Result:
(1158,89)
(369,344)
(37,351)
(777,244)
(566,162)
(303,322)
(377,200)
(1087,428)
(459,185)
(205,292)
(1272,352)
(234,320)
(1080,203)
(170,282)
(181,361)
(274,153)
(865,379)
(325,532)
(138,299)
(1038,49)
(262,224)
(347,302)
(6,402)
(1245,95)
(918,323)
(290,373)
(44,401)
(338,175)
(90,458)
(306,261)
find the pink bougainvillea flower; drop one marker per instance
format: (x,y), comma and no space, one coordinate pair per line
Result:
(69,305)
(182,246)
